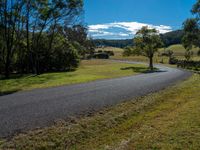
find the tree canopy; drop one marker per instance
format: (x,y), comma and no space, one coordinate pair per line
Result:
(147,41)
(191,28)
(38,35)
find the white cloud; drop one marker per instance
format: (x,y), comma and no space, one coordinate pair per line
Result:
(110,30)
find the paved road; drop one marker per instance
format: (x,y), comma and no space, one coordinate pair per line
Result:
(41,107)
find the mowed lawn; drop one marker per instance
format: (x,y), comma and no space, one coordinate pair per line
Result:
(89,70)
(168,119)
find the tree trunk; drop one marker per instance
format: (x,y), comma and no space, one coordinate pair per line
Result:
(7,70)
(30,65)
(151,63)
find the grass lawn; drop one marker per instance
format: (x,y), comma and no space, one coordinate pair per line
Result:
(89,71)
(168,119)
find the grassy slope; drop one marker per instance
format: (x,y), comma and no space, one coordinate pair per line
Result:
(168,119)
(88,71)
(178,50)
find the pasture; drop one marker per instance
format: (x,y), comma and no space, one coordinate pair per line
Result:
(178,50)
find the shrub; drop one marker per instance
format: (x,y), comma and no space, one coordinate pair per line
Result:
(173,60)
(110,53)
(100,51)
(101,56)
(194,65)
(198,53)
(188,55)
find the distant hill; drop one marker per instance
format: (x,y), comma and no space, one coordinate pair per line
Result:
(172,38)
(169,38)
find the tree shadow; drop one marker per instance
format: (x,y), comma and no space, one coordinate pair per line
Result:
(8,92)
(142,69)
(18,83)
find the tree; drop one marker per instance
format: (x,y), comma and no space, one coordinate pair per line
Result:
(128,51)
(11,26)
(169,53)
(29,29)
(78,36)
(191,29)
(147,41)
(188,55)
(198,53)
(49,14)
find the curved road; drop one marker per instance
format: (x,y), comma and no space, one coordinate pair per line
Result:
(41,107)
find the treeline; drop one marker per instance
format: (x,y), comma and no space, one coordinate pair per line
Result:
(39,36)
(168,39)
(113,43)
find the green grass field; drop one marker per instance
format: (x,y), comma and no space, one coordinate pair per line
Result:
(88,71)
(168,119)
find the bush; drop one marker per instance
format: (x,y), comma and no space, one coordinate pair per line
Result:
(100,51)
(198,53)
(110,53)
(193,65)
(128,51)
(101,56)
(65,57)
(173,60)
(188,55)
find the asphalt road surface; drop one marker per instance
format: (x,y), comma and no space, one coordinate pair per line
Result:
(27,110)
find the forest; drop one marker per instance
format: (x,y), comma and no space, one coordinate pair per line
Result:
(41,36)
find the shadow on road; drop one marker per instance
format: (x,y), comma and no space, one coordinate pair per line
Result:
(8,92)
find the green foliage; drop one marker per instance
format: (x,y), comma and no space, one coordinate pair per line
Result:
(198,53)
(188,55)
(147,42)
(131,51)
(191,36)
(169,53)
(196,9)
(128,51)
(64,55)
(33,36)
(192,31)
(78,36)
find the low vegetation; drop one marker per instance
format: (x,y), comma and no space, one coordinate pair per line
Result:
(178,52)
(168,119)
(89,71)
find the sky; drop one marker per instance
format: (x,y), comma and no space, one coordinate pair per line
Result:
(121,19)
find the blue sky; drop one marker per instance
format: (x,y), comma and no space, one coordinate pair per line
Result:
(120,19)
